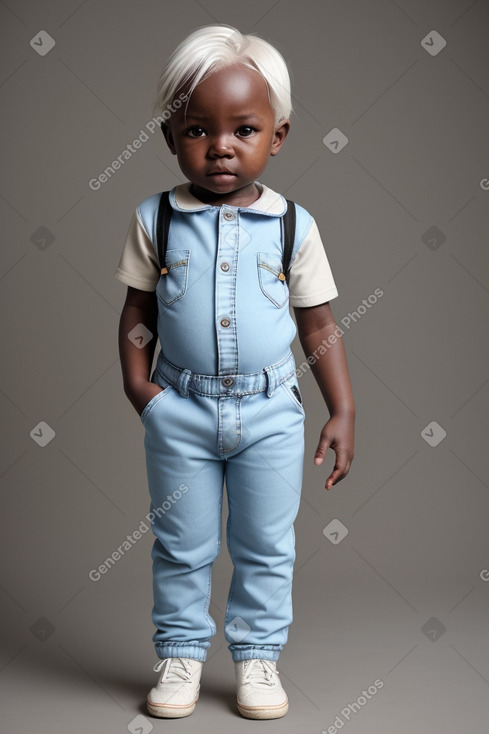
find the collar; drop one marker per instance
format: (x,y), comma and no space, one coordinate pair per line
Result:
(269,202)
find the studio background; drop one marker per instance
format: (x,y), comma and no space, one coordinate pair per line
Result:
(388,151)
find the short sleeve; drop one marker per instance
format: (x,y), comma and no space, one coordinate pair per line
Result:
(310,278)
(138,266)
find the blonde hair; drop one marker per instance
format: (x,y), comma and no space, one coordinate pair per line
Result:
(213,47)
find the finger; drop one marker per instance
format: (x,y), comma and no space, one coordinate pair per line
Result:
(335,476)
(340,469)
(321,450)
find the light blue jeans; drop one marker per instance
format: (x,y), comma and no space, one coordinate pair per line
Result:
(246,431)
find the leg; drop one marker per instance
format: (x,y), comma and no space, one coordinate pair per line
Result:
(185,480)
(263,480)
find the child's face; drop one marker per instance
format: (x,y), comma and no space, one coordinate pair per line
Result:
(227,136)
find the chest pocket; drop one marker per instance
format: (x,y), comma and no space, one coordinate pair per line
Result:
(269,268)
(173,284)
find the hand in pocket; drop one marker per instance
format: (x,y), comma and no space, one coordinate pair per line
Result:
(141,395)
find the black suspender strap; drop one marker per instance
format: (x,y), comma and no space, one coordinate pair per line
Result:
(162,228)
(288,237)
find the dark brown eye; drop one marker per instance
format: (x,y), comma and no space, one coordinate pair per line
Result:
(246,130)
(195,132)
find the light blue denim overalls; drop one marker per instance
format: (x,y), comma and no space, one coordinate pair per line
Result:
(230,411)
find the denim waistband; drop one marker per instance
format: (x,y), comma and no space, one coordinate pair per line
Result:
(226,385)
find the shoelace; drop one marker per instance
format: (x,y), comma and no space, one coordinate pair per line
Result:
(260,673)
(174,670)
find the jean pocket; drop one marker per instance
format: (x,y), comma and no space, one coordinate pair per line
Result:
(173,285)
(155,400)
(269,269)
(291,387)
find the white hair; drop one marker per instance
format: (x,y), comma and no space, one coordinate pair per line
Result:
(213,47)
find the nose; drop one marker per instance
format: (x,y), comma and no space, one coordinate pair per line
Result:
(220,146)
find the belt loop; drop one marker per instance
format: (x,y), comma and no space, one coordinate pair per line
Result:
(183,381)
(271,381)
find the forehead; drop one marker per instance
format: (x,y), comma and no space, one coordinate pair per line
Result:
(231,89)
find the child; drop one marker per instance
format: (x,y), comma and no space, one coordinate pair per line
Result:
(223,402)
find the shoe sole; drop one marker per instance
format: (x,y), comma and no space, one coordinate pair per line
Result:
(263,712)
(167,711)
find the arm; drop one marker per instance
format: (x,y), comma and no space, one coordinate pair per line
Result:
(330,369)
(140,307)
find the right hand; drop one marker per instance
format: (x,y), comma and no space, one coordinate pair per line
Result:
(142,394)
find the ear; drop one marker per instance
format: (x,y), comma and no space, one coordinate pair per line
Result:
(168,137)
(281,132)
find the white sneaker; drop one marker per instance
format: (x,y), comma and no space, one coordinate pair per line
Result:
(176,693)
(260,692)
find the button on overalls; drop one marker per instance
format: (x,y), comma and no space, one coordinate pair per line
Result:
(229,414)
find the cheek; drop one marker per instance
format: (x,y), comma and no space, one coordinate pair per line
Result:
(186,152)
(191,148)
(262,151)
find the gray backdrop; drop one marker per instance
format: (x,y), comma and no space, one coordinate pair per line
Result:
(390,631)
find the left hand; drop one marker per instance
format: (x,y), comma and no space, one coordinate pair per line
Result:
(337,433)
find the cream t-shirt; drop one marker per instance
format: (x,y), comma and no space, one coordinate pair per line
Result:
(310,278)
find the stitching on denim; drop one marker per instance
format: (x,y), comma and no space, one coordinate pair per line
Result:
(147,410)
(238,427)
(209,620)
(292,397)
(185,265)
(264,266)
(233,578)
(219,426)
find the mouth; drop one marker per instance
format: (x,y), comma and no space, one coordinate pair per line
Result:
(221,173)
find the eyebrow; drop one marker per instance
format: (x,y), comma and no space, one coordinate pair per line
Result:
(244,116)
